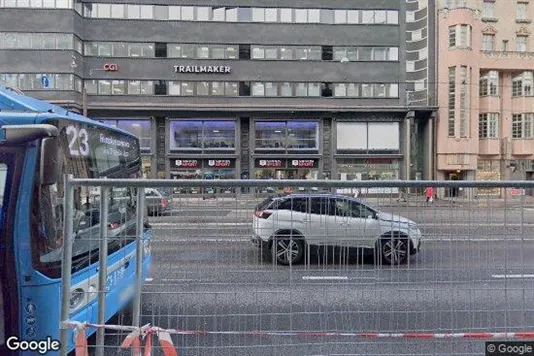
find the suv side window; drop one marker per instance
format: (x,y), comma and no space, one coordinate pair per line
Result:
(319,206)
(361,211)
(293,204)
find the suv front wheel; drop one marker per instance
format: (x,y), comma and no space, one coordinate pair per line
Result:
(393,250)
(287,249)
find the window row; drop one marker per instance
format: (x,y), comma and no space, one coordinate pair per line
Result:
(488,43)
(522,125)
(522,84)
(47,4)
(227,51)
(23,40)
(256,89)
(33,81)
(488,125)
(240,14)
(522,11)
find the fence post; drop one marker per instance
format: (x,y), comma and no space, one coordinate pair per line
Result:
(102,267)
(66,266)
(139,256)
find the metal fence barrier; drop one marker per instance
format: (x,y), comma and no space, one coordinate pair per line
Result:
(255,267)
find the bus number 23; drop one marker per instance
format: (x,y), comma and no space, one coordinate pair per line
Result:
(81,146)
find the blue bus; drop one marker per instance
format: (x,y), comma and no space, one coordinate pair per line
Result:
(39,144)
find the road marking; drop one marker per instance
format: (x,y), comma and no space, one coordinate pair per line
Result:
(321,278)
(512,276)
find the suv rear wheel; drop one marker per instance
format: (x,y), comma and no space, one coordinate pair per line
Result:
(287,249)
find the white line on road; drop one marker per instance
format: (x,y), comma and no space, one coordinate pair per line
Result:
(515,276)
(321,278)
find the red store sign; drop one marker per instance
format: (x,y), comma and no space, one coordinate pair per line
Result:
(111,67)
(219,163)
(186,163)
(270,163)
(304,163)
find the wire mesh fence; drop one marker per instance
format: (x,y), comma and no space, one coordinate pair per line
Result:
(324,267)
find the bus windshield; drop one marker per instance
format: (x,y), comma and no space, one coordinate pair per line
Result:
(86,151)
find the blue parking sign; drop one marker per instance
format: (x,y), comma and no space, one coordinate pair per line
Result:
(45,81)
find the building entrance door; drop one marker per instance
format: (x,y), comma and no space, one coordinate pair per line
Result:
(453,192)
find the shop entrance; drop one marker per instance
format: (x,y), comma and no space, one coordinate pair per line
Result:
(453,192)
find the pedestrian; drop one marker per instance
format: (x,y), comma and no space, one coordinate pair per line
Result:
(429,191)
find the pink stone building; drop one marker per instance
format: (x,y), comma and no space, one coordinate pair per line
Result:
(485,64)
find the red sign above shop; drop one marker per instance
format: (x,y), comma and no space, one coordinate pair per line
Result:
(303,163)
(219,163)
(272,163)
(186,163)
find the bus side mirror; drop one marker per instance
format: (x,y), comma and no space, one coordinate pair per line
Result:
(49,161)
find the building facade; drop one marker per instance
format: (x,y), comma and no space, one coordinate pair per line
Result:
(232,89)
(485,75)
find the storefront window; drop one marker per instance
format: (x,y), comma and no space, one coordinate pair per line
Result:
(210,135)
(291,135)
(139,127)
(279,169)
(210,169)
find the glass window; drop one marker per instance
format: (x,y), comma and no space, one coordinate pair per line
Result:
(340,16)
(118,87)
(188,13)
(24,40)
(174,50)
(339,53)
(340,90)
(394,90)
(368,16)
(314,89)
(147,12)
(352,90)
(63,4)
(103,10)
(258,89)
(203,13)
(286,53)
(174,12)
(380,54)
(258,52)
(393,17)
(161,12)
(135,50)
(218,13)
(117,11)
(134,87)
(353,16)
(314,16)
(301,89)
(522,9)
(120,49)
(270,134)
(217,88)
(104,87)
(188,50)
(271,15)
(521,43)
(134,11)
(367,90)
(380,90)
(188,89)
(393,54)
(203,88)
(104,49)
(231,52)
(185,134)
(286,15)
(301,15)
(36,4)
(271,89)
(174,88)
(286,89)
(203,52)
(140,128)
(64,41)
(218,52)
(258,14)
(147,87)
(91,49)
(302,134)
(232,89)
(219,134)
(231,15)
(91,86)
(366,54)
(271,53)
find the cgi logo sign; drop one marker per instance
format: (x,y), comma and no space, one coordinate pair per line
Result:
(111,67)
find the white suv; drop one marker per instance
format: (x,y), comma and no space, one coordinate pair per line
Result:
(293,222)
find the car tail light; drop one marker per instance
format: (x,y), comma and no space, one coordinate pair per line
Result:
(163,203)
(263,214)
(113,226)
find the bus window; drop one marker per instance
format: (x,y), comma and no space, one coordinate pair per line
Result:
(102,152)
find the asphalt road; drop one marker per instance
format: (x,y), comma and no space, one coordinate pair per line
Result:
(207,276)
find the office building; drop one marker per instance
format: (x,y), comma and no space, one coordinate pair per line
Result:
(262,89)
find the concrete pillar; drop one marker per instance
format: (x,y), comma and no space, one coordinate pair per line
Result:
(406,151)
(429,150)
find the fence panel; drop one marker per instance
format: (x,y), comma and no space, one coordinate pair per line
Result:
(237,270)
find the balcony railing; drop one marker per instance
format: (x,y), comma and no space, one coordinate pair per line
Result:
(508,54)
